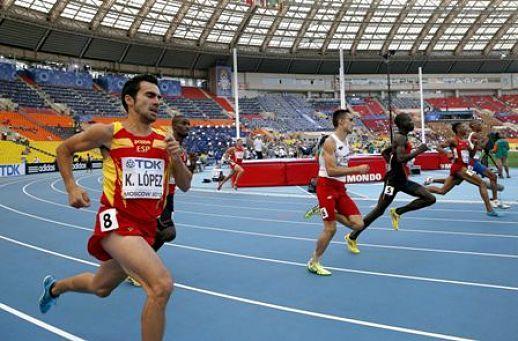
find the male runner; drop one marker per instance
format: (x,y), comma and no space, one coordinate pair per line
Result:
(396,180)
(477,140)
(460,169)
(331,193)
(235,155)
(136,171)
(166,229)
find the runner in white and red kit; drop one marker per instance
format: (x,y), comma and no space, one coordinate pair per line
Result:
(331,192)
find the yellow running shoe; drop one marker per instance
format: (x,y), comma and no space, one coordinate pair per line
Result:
(318,269)
(352,246)
(311,212)
(395,219)
(133,281)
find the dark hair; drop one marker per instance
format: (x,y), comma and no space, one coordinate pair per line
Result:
(321,141)
(132,86)
(399,118)
(339,114)
(177,118)
(455,126)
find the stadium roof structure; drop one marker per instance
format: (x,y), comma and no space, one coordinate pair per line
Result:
(296,36)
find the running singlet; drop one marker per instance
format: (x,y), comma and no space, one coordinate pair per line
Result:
(172,182)
(461,157)
(399,171)
(136,174)
(341,158)
(461,152)
(237,155)
(472,141)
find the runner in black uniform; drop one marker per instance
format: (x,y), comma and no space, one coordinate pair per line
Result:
(396,180)
(166,229)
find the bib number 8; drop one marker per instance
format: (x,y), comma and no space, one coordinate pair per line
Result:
(108,220)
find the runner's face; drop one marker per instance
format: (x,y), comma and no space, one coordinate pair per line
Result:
(476,127)
(347,124)
(239,143)
(407,123)
(147,101)
(462,130)
(182,127)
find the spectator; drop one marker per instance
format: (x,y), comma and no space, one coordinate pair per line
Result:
(258,146)
(501,150)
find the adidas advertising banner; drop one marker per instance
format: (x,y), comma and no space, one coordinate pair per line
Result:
(35,168)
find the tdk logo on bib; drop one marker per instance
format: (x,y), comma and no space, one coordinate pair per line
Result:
(145,163)
(130,163)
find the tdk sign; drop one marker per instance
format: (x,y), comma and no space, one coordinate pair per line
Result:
(10,170)
(145,164)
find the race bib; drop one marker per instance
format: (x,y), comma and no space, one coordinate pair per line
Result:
(470,172)
(239,155)
(108,220)
(389,190)
(464,155)
(323,213)
(142,178)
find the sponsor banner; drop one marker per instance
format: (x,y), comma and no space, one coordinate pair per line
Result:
(34,168)
(12,170)
(48,167)
(359,178)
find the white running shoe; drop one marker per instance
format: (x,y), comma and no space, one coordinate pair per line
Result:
(428,181)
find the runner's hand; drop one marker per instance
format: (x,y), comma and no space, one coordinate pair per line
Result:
(78,198)
(172,146)
(362,169)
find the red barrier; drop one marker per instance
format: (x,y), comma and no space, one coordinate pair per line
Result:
(259,174)
(298,172)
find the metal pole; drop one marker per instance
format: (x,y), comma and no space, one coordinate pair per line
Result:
(342,80)
(423,135)
(387,60)
(236,92)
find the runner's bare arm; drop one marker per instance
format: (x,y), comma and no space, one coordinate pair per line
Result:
(400,147)
(182,175)
(95,136)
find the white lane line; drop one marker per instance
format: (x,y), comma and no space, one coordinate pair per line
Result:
(236,231)
(265,304)
(425,279)
(298,196)
(405,230)
(312,240)
(361,272)
(39,323)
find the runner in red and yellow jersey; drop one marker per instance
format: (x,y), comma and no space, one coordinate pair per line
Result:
(235,155)
(137,159)
(166,229)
